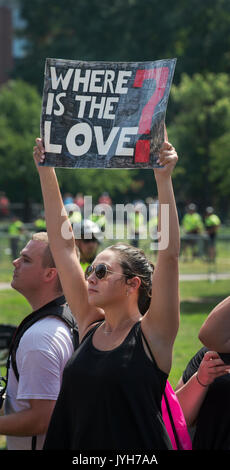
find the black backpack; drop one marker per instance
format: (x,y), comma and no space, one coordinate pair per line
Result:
(6,334)
(58,308)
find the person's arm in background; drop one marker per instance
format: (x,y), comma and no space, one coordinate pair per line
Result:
(215,331)
(31,422)
(192,393)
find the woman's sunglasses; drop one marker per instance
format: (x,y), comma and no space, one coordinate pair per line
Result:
(100,270)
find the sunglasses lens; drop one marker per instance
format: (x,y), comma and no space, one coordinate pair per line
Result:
(90,240)
(100,271)
(88,271)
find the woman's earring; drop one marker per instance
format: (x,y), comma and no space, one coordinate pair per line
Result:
(127,293)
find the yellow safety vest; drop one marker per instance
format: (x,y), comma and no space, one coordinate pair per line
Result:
(212,220)
(15,228)
(192,222)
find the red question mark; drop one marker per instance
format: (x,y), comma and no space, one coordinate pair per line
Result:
(160,74)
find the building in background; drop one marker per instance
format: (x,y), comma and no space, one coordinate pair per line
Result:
(6,39)
(11,47)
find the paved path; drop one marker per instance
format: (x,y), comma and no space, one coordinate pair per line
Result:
(204,277)
(183,277)
(5,285)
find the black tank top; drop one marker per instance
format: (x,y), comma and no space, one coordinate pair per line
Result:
(110,400)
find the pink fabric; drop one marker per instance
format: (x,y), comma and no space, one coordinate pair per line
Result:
(178,418)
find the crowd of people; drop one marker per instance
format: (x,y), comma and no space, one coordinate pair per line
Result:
(107,391)
(198,234)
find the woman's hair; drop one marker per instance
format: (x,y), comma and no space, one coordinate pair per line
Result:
(134,263)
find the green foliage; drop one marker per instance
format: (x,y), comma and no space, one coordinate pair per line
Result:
(197,301)
(200,132)
(220,166)
(95,30)
(14,307)
(195,32)
(19,124)
(93,182)
(202,36)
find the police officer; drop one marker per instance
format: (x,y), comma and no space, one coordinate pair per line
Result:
(192,226)
(212,223)
(40,224)
(99,219)
(15,231)
(137,222)
(87,239)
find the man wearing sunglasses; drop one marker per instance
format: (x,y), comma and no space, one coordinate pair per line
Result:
(87,239)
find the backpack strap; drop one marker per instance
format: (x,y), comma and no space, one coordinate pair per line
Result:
(67,317)
(58,308)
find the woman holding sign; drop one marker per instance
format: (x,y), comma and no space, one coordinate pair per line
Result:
(112,389)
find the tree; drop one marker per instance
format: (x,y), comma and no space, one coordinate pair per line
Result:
(195,32)
(19,124)
(93,182)
(203,36)
(200,132)
(220,175)
(96,30)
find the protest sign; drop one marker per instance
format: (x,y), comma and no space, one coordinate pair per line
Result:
(104,114)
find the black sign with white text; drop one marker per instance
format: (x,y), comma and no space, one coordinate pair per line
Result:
(104,114)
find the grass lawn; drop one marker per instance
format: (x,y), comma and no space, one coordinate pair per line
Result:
(198,298)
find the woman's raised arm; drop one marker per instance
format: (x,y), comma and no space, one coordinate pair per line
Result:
(62,244)
(161,322)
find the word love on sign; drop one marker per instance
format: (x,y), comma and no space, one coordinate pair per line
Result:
(104,114)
